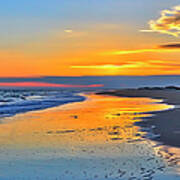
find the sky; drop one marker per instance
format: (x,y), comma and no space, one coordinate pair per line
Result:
(89,38)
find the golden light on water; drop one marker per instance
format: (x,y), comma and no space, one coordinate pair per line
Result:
(100,119)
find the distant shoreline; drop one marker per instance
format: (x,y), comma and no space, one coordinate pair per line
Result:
(166,123)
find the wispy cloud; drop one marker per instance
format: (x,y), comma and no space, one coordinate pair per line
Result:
(109,66)
(170,46)
(168,23)
(159,63)
(159,49)
(122,52)
(42,84)
(68,30)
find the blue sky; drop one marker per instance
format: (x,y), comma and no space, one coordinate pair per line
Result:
(25,18)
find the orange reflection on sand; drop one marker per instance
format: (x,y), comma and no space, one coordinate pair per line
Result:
(98,120)
(172,156)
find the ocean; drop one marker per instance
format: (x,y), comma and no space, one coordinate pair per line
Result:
(20,101)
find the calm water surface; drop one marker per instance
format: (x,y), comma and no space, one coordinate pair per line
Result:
(94,139)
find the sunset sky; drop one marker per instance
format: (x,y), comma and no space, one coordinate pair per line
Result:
(89,37)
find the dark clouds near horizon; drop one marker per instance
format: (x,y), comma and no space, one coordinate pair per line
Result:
(170,46)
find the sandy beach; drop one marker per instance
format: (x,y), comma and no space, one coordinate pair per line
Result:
(166,123)
(94,139)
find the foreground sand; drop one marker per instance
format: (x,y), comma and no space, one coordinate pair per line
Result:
(167,123)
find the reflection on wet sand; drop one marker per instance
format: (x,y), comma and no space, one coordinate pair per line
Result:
(95,139)
(172,157)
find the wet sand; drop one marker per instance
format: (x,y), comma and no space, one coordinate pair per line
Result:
(91,140)
(166,124)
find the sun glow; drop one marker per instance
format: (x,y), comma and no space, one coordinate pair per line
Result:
(107,66)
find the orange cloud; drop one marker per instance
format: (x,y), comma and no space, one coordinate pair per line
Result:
(42,84)
(168,23)
(136,51)
(108,66)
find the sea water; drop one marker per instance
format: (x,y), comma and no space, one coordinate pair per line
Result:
(20,101)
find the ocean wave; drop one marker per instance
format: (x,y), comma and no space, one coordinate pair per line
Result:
(20,101)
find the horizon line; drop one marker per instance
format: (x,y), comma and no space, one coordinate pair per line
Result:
(29,77)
